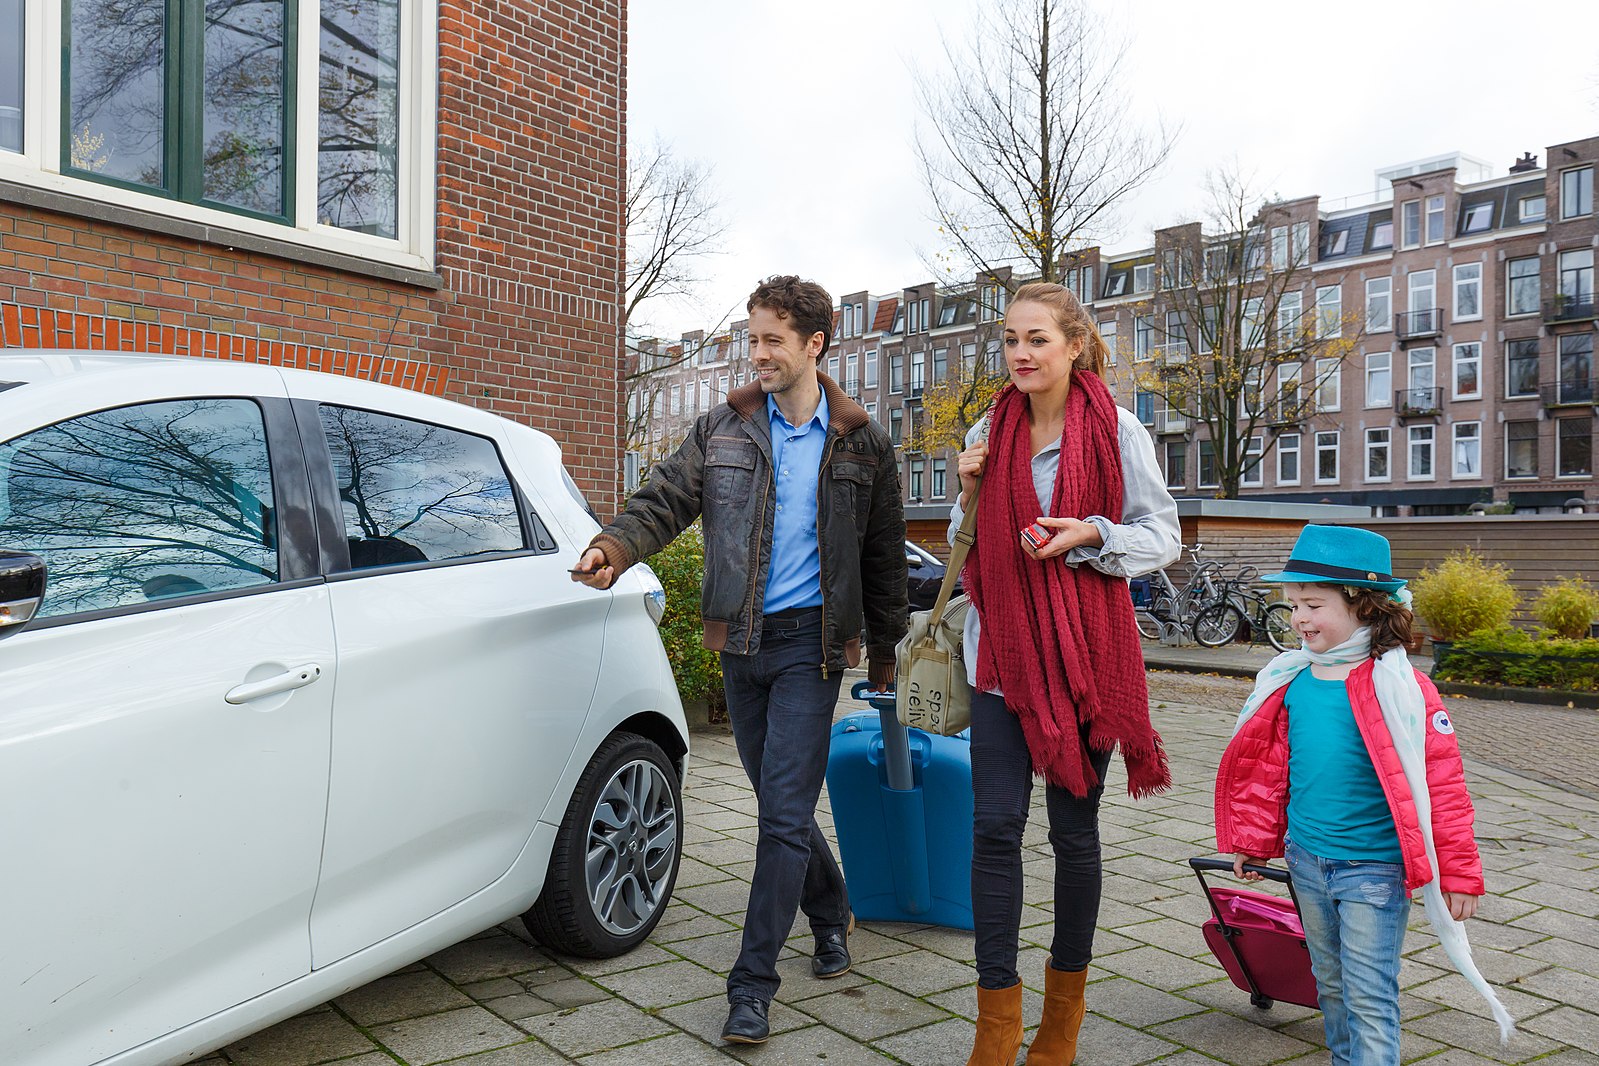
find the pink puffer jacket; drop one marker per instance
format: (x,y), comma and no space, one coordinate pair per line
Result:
(1252,787)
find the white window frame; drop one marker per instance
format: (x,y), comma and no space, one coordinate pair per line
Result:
(1385,396)
(832,367)
(1412,288)
(1435,211)
(939,473)
(1380,292)
(869,370)
(1181,481)
(1560,440)
(1537,450)
(1253,477)
(1484,211)
(1199,465)
(1143,337)
(1510,285)
(1572,211)
(1288,447)
(1330,311)
(1410,211)
(1327,441)
(1143,277)
(1290,313)
(1465,282)
(1279,247)
(1329,384)
(896,379)
(1524,216)
(1419,440)
(1386,446)
(1107,333)
(1458,437)
(1465,353)
(1537,363)
(1413,363)
(871,410)
(39,164)
(852,376)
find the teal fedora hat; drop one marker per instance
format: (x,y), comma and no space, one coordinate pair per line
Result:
(1340,555)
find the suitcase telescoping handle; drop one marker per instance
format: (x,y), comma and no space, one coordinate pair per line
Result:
(896,737)
(1270,873)
(1228,932)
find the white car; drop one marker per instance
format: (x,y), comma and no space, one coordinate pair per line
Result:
(297,690)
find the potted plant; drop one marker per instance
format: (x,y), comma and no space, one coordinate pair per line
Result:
(1461,595)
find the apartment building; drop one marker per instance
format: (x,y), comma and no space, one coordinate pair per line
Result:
(1472,384)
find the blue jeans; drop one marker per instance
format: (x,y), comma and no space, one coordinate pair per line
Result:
(1354,914)
(781,708)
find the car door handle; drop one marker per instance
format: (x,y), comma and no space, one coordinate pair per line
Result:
(299,677)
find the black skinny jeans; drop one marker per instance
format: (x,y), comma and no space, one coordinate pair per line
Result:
(1002,784)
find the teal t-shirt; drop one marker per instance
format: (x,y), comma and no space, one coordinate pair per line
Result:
(1336,806)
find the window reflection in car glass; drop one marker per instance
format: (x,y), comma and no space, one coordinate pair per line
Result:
(413,492)
(143,503)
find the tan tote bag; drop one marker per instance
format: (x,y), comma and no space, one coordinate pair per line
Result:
(931,690)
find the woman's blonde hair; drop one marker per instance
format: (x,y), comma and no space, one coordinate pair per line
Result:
(1073,320)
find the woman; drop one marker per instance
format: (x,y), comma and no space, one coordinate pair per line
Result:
(1052,650)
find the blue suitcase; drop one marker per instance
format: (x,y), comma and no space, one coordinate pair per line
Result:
(902,804)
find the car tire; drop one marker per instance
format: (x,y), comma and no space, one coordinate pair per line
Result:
(616,854)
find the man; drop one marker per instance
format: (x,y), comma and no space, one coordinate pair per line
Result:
(804,542)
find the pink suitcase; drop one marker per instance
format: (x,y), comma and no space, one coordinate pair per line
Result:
(1258,938)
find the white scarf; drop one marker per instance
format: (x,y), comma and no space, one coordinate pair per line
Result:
(1404,712)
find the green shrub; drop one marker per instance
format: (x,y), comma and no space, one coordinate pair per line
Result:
(1505,655)
(1464,594)
(1568,607)
(697,670)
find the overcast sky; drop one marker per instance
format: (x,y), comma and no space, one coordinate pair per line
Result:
(806,113)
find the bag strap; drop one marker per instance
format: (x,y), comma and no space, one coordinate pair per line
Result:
(965,537)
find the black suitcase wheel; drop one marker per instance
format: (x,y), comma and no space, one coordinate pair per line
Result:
(1263,1002)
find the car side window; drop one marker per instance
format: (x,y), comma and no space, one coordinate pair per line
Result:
(412,492)
(143,503)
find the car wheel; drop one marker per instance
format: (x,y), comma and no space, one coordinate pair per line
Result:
(616,855)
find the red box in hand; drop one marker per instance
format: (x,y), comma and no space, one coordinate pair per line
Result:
(1037,536)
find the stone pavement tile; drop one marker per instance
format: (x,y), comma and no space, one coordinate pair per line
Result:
(446,1036)
(716,952)
(665,984)
(571,992)
(963,1001)
(1548,873)
(1499,967)
(548,974)
(954,944)
(1567,953)
(870,1011)
(644,955)
(693,834)
(1412,1045)
(723,852)
(481,959)
(704,1018)
(1159,968)
(595,1027)
(1480,1036)
(1568,1025)
(920,973)
(1570,1058)
(800,984)
(1134,1004)
(742,871)
(1223,995)
(1191,908)
(1563,986)
(1113,913)
(1174,853)
(1231,1039)
(1105,943)
(1498,935)
(1103,1042)
(313,1037)
(691,872)
(401,996)
(1415,971)
(1180,938)
(1573,900)
(678,1049)
(865,943)
(811,1046)
(719,897)
(1147,869)
(940,1044)
(723,819)
(721,793)
(1134,891)
(694,924)
(520,1007)
(529,1053)
(1453,991)
(493,988)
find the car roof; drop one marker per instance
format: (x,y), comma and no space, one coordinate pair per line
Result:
(19,367)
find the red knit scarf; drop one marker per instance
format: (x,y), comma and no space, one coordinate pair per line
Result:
(1040,618)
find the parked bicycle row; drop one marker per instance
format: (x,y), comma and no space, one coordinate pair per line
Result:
(1212,607)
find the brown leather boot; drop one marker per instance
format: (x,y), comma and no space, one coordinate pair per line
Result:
(999,1026)
(1055,1043)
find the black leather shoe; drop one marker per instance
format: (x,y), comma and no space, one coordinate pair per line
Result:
(831,957)
(746,1023)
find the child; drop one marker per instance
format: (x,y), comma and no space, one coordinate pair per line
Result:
(1350,769)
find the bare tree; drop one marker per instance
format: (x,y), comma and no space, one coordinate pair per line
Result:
(1230,340)
(1026,149)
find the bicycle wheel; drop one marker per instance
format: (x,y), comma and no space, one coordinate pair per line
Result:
(1280,627)
(1218,624)
(1148,624)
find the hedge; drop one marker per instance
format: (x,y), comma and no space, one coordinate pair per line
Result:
(1508,656)
(698,671)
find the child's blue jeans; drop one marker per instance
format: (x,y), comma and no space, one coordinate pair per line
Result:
(1355,915)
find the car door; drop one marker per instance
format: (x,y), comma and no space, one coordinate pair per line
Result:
(164,732)
(468,661)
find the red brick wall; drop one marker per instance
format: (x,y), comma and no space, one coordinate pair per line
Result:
(531,171)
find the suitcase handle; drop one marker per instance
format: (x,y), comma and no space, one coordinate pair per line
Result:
(1270,873)
(896,737)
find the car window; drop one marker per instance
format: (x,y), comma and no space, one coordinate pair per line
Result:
(143,503)
(413,492)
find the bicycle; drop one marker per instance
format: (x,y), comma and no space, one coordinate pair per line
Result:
(1171,611)
(1243,611)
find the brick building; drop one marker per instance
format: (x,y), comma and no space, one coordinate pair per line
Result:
(425,193)
(1473,381)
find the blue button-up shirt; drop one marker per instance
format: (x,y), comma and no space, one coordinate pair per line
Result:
(795,576)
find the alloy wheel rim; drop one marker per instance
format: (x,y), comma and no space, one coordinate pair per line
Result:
(632,847)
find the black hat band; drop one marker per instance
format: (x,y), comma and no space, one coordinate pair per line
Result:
(1337,573)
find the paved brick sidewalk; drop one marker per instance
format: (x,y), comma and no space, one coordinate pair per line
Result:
(1156,994)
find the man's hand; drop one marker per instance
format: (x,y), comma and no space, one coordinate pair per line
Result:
(597,570)
(969,465)
(1068,533)
(1461,906)
(1243,860)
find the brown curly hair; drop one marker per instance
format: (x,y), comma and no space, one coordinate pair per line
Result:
(804,305)
(1392,624)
